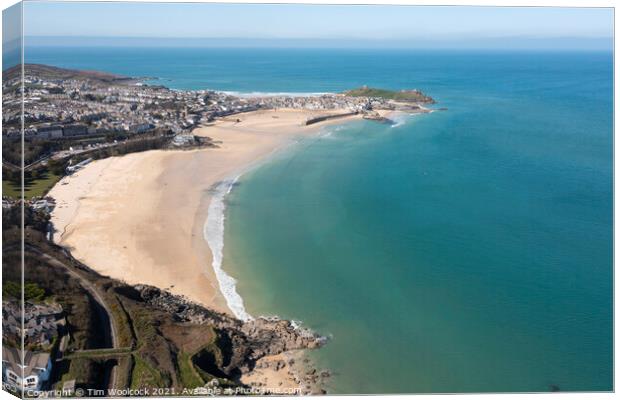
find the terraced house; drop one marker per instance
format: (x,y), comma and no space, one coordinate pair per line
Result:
(31,375)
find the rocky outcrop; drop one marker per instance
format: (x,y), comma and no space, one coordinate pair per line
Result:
(408,96)
(245,342)
(375,116)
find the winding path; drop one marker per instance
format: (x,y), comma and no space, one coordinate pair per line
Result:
(95,293)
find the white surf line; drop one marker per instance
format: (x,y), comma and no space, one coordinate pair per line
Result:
(213,233)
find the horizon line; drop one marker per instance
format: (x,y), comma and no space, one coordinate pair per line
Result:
(505,42)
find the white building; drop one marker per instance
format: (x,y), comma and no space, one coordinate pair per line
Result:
(72,168)
(34,371)
(44,205)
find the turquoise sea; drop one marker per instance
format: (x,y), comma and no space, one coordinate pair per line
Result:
(467,250)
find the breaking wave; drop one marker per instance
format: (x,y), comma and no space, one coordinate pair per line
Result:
(213,232)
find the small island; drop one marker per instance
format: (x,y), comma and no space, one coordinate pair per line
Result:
(406,96)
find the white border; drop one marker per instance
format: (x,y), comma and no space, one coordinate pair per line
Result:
(504,3)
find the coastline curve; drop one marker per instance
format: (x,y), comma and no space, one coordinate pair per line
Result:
(213,232)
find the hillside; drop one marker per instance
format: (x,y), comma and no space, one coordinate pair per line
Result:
(49,72)
(413,96)
(141,337)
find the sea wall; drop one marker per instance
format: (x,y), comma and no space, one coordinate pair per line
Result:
(314,120)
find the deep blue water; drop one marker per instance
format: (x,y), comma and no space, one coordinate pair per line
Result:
(465,250)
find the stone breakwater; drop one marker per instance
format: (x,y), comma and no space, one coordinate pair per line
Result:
(322,118)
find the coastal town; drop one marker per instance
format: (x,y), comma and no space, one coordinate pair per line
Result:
(94,104)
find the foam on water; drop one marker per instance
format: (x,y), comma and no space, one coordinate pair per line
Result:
(401,119)
(327,131)
(213,233)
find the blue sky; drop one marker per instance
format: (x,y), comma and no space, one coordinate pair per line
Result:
(353,23)
(11,36)
(11,23)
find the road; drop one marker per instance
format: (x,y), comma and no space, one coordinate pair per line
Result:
(94,292)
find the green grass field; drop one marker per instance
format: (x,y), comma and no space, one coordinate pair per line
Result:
(32,187)
(400,95)
(145,375)
(189,377)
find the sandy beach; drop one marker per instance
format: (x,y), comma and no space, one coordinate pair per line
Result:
(139,218)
